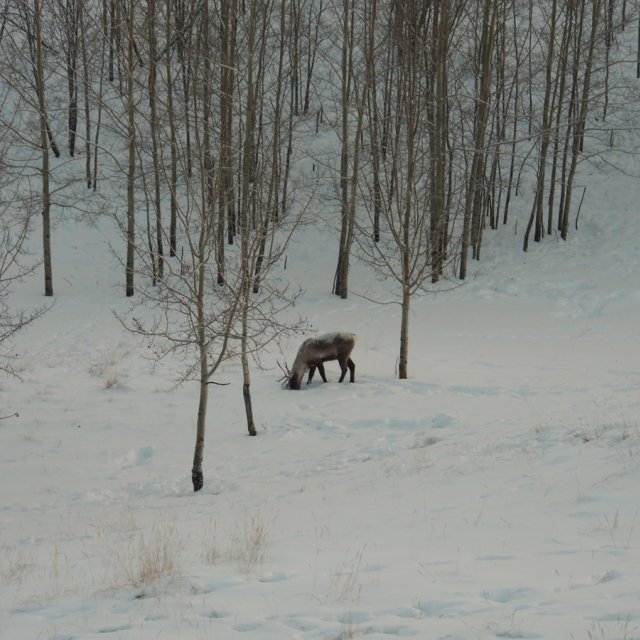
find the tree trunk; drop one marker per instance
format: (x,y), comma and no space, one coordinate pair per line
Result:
(227,78)
(439,142)
(131,173)
(294,52)
(472,211)
(246,374)
(287,161)
(172,136)
(342,270)
(184,57)
(157,205)
(638,51)
(44,148)
(312,49)
(274,178)
(248,152)
(536,211)
(87,90)
(583,105)
(374,117)
(197,476)
(403,361)
(71,15)
(410,108)
(561,80)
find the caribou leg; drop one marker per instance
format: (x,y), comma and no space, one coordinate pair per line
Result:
(321,372)
(352,370)
(312,370)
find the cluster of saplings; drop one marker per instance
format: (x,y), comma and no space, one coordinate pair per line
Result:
(194,125)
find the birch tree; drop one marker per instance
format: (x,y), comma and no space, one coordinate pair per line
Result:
(473,207)
(14,266)
(17,213)
(545,135)
(44,147)
(154,125)
(350,147)
(404,196)
(581,110)
(131,146)
(193,315)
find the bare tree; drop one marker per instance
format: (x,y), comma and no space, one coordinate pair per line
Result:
(350,148)
(65,17)
(545,135)
(263,233)
(12,320)
(193,315)
(438,111)
(26,79)
(473,207)
(226,192)
(171,117)
(154,125)
(87,77)
(15,217)
(580,112)
(405,193)
(314,19)
(44,147)
(131,145)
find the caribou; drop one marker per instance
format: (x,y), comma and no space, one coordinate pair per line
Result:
(313,352)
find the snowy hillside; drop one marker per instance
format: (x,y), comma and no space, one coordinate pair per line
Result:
(493,494)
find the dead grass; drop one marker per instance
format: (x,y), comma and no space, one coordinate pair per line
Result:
(247,547)
(110,381)
(105,367)
(149,556)
(14,566)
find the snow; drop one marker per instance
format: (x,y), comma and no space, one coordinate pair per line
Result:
(494,494)
(491,495)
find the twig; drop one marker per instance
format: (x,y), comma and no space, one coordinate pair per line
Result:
(584,190)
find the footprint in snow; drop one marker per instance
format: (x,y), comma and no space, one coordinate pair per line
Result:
(507,595)
(135,457)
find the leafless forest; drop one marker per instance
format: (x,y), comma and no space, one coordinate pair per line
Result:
(193,125)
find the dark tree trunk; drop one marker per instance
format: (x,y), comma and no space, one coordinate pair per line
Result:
(44,148)
(131,172)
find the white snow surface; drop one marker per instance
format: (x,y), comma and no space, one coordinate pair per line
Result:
(493,494)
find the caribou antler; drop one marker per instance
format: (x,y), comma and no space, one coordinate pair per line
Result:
(284,380)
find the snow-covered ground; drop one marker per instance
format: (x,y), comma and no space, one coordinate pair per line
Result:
(493,494)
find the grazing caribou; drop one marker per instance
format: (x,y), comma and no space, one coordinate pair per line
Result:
(313,352)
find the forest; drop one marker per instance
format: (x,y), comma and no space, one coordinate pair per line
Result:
(191,191)
(194,126)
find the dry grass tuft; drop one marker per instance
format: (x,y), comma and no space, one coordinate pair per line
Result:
(248,545)
(151,556)
(110,381)
(105,367)
(13,566)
